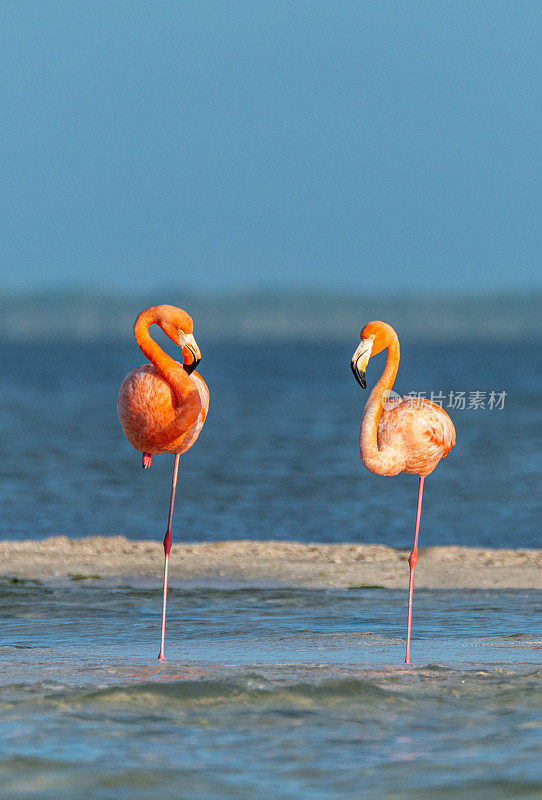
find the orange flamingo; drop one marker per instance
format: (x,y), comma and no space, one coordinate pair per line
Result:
(162,405)
(408,434)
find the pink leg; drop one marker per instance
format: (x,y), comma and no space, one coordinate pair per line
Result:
(167,548)
(413,558)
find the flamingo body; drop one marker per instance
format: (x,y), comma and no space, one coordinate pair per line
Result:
(419,430)
(148,410)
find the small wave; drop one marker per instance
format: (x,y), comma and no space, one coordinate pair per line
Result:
(481,790)
(253,691)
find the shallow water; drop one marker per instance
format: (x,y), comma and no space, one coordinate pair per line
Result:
(277,458)
(268,692)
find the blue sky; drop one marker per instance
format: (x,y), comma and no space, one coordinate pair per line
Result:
(375,146)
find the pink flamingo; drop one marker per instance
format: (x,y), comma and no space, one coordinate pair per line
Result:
(408,434)
(162,405)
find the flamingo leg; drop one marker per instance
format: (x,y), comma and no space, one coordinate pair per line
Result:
(167,548)
(412,559)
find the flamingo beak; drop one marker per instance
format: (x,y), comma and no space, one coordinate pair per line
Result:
(187,341)
(360,359)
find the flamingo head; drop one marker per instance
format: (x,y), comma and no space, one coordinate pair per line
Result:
(375,337)
(178,325)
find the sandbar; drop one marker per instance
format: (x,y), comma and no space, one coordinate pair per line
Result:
(262,562)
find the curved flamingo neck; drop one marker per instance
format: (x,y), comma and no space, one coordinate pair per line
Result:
(375,460)
(170,369)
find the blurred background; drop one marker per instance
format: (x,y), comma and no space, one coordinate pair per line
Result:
(285,171)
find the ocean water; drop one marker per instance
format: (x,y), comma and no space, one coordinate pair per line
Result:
(277,458)
(269,691)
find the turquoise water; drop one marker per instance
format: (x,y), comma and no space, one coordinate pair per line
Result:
(268,692)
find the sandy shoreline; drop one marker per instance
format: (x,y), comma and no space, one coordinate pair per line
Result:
(287,563)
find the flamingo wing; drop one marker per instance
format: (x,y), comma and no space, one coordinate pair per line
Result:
(421,429)
(439,427)
(149,412)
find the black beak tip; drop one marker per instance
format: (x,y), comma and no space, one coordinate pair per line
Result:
(189,368)
(358,375)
